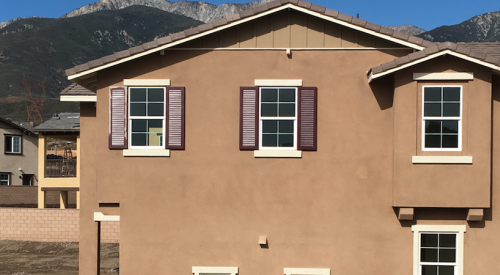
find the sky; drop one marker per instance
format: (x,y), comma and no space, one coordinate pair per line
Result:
(425,14)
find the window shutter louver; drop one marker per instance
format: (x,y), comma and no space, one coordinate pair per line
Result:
(307,119)
(249,118)
(118,118)
(175,118)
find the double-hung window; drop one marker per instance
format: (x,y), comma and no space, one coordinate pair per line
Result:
(278,118)
(12,144)
(442,118)
(4,179)
(146,117)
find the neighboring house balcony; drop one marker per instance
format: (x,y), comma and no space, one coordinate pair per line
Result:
(59,150)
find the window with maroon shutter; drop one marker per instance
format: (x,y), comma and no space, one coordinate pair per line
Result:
(249,118)
(118,118)
(175,118)
(307,119)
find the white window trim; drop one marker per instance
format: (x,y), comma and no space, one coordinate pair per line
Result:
(78,98)
(295,123)
(277,154)
(146,82)
(441,159)
(8,178)
(423,119)
(279,82)
(130,118)
(458,229)
(146,152)
(100,217)
(307,271)
(443,76)
(233,270)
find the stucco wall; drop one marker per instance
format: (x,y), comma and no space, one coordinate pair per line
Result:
(28,161)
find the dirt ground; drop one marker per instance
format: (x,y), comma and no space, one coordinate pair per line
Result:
(40,258)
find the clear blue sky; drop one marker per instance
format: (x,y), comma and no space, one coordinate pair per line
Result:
(426,14)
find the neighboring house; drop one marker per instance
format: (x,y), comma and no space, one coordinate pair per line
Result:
(19,161)
(58,158)
(292,139)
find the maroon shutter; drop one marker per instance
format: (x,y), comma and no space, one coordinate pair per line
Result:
(307,119)
(249,118)
(175,118)
(118,118)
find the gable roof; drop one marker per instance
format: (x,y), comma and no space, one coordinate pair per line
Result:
(17,126)
(471,52)
(62,122)
(242,17)
(75,90)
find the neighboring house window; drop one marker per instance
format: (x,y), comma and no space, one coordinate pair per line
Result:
(146,117)
(438,249)
(13,144)
(214,270)
(442,118)
(278,118)
(4,179)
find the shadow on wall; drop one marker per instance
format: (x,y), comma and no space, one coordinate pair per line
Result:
(383,90)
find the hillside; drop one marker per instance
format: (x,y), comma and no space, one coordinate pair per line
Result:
(42,47)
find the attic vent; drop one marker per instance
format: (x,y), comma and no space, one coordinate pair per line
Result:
(56,116)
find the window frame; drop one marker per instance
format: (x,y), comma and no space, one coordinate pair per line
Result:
(459,119)
(130,118)
(8,178)
(306,271)
(12,136)
(458,230)
(232,270)
(294,119)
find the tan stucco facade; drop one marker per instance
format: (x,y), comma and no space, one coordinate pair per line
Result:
(335,208)
(27,161)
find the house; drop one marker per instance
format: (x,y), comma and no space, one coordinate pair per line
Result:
(18,165)
(58,164)
(292,139)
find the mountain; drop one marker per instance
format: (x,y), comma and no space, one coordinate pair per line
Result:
(480,28)
(201,11)
(43,48)
(409,29)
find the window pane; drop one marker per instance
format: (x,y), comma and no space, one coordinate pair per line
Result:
(429,270)
(16,148)
(451,109)
(269,126)
(155,124)
(4,183)
(269,95)
(432,141)
(446,270)
(447,240)
(287,109)
(432,94)
(139,139)
(451,94)
(285,140)
(429,240)
(450,141)
(447,255)
(137,94)
(8,144)
(450,126)
(155,109)
(433,126)
(286,126)
(432,109)
(269,109)
(269,140)
(139,125)
(4,177)
(137,109)
(155,95)
(428,255)
(287,95)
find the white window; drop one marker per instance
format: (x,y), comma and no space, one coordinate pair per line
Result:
(5,179)
(215,270)
(12,144)
(278,118)
(442,118)
(146,117)
(438,249)
(307,271)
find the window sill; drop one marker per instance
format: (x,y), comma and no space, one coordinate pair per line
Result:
(441,159)
(277,154)
(146,153)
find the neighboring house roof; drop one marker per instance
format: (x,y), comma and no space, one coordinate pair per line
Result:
(76,90)
(405,39)
(474,53)
(62,122)
(23,129)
